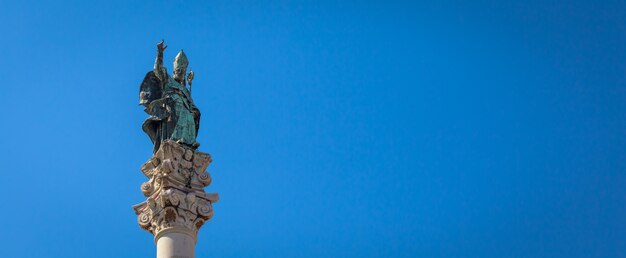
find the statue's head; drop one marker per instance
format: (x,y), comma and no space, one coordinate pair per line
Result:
(180,66)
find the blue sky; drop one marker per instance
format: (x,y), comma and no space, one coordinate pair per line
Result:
(337,128)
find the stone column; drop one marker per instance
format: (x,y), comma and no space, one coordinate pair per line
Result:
(177,205)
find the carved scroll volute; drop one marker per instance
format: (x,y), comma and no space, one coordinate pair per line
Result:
(201,161)
(148,188)
(204,178)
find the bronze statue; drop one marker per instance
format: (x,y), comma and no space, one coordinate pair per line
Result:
(167,100)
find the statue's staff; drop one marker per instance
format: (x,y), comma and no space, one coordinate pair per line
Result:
(189,79)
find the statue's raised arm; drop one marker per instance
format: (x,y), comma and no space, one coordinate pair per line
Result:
(159,69)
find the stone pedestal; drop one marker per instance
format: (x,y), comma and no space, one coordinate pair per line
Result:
(177,205)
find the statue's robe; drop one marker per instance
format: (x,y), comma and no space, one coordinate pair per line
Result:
(173,114)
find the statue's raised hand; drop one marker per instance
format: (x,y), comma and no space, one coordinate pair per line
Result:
(161,46)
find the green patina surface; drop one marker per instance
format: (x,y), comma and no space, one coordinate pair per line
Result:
(182,109)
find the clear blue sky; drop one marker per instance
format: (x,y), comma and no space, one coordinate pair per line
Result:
(337,128)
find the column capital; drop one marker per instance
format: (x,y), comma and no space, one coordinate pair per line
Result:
(176,200)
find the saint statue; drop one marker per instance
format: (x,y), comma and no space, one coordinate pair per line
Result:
(173,115)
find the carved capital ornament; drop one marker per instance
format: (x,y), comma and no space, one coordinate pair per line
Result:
(176,201)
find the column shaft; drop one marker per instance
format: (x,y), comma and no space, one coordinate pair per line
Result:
(175,245)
